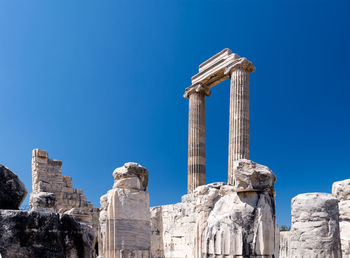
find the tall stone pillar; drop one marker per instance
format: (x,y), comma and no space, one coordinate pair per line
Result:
(239,113)
(126,221)
(196,135)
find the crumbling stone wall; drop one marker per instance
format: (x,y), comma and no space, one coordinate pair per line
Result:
(53,192)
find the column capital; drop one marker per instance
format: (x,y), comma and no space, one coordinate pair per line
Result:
(240,63)
(197,88)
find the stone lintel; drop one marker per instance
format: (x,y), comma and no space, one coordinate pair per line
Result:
(217,68)
(196,88)
(223,54)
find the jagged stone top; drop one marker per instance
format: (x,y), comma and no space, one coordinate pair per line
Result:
(341,190)
(251,176)
(313,196)
(124,176)
(40,153)
(42,156)
(313,203)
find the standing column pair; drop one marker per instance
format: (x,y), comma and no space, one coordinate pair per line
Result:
(238,71)
(196,135)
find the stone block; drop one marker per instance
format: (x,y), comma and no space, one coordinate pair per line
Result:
(250,176)
(42,201)
(128,183)
(315,226)
(341,190)
(132,169)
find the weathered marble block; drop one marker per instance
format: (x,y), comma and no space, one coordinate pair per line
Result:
(284,244)
(341,190)
(125,214)
(315,226)
(216,221)
(250,176)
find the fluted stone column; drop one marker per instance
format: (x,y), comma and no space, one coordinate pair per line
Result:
(239,113)
(196,135)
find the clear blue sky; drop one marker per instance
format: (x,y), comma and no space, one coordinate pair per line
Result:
(100,83)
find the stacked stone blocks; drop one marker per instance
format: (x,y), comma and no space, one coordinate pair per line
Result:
(53,192)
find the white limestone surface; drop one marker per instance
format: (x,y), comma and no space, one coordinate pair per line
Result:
(125,214)
(341,190)
(215,221)
(284,244)
(315,226)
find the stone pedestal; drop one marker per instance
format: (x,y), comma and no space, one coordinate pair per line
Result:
(196,136)
(125,223)
(315,226)
(239,113)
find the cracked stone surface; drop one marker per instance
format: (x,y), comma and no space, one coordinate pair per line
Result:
(315,226)
(216,220)
(125,214)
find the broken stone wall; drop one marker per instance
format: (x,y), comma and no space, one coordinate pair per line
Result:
(53,192)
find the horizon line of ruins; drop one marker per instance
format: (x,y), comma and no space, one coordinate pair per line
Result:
(215,220)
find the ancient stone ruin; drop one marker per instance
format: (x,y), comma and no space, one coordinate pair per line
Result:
(225,219)
(38,234)
(234,219)
(320,224)
(125,220)
(216,69)
(53,192)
